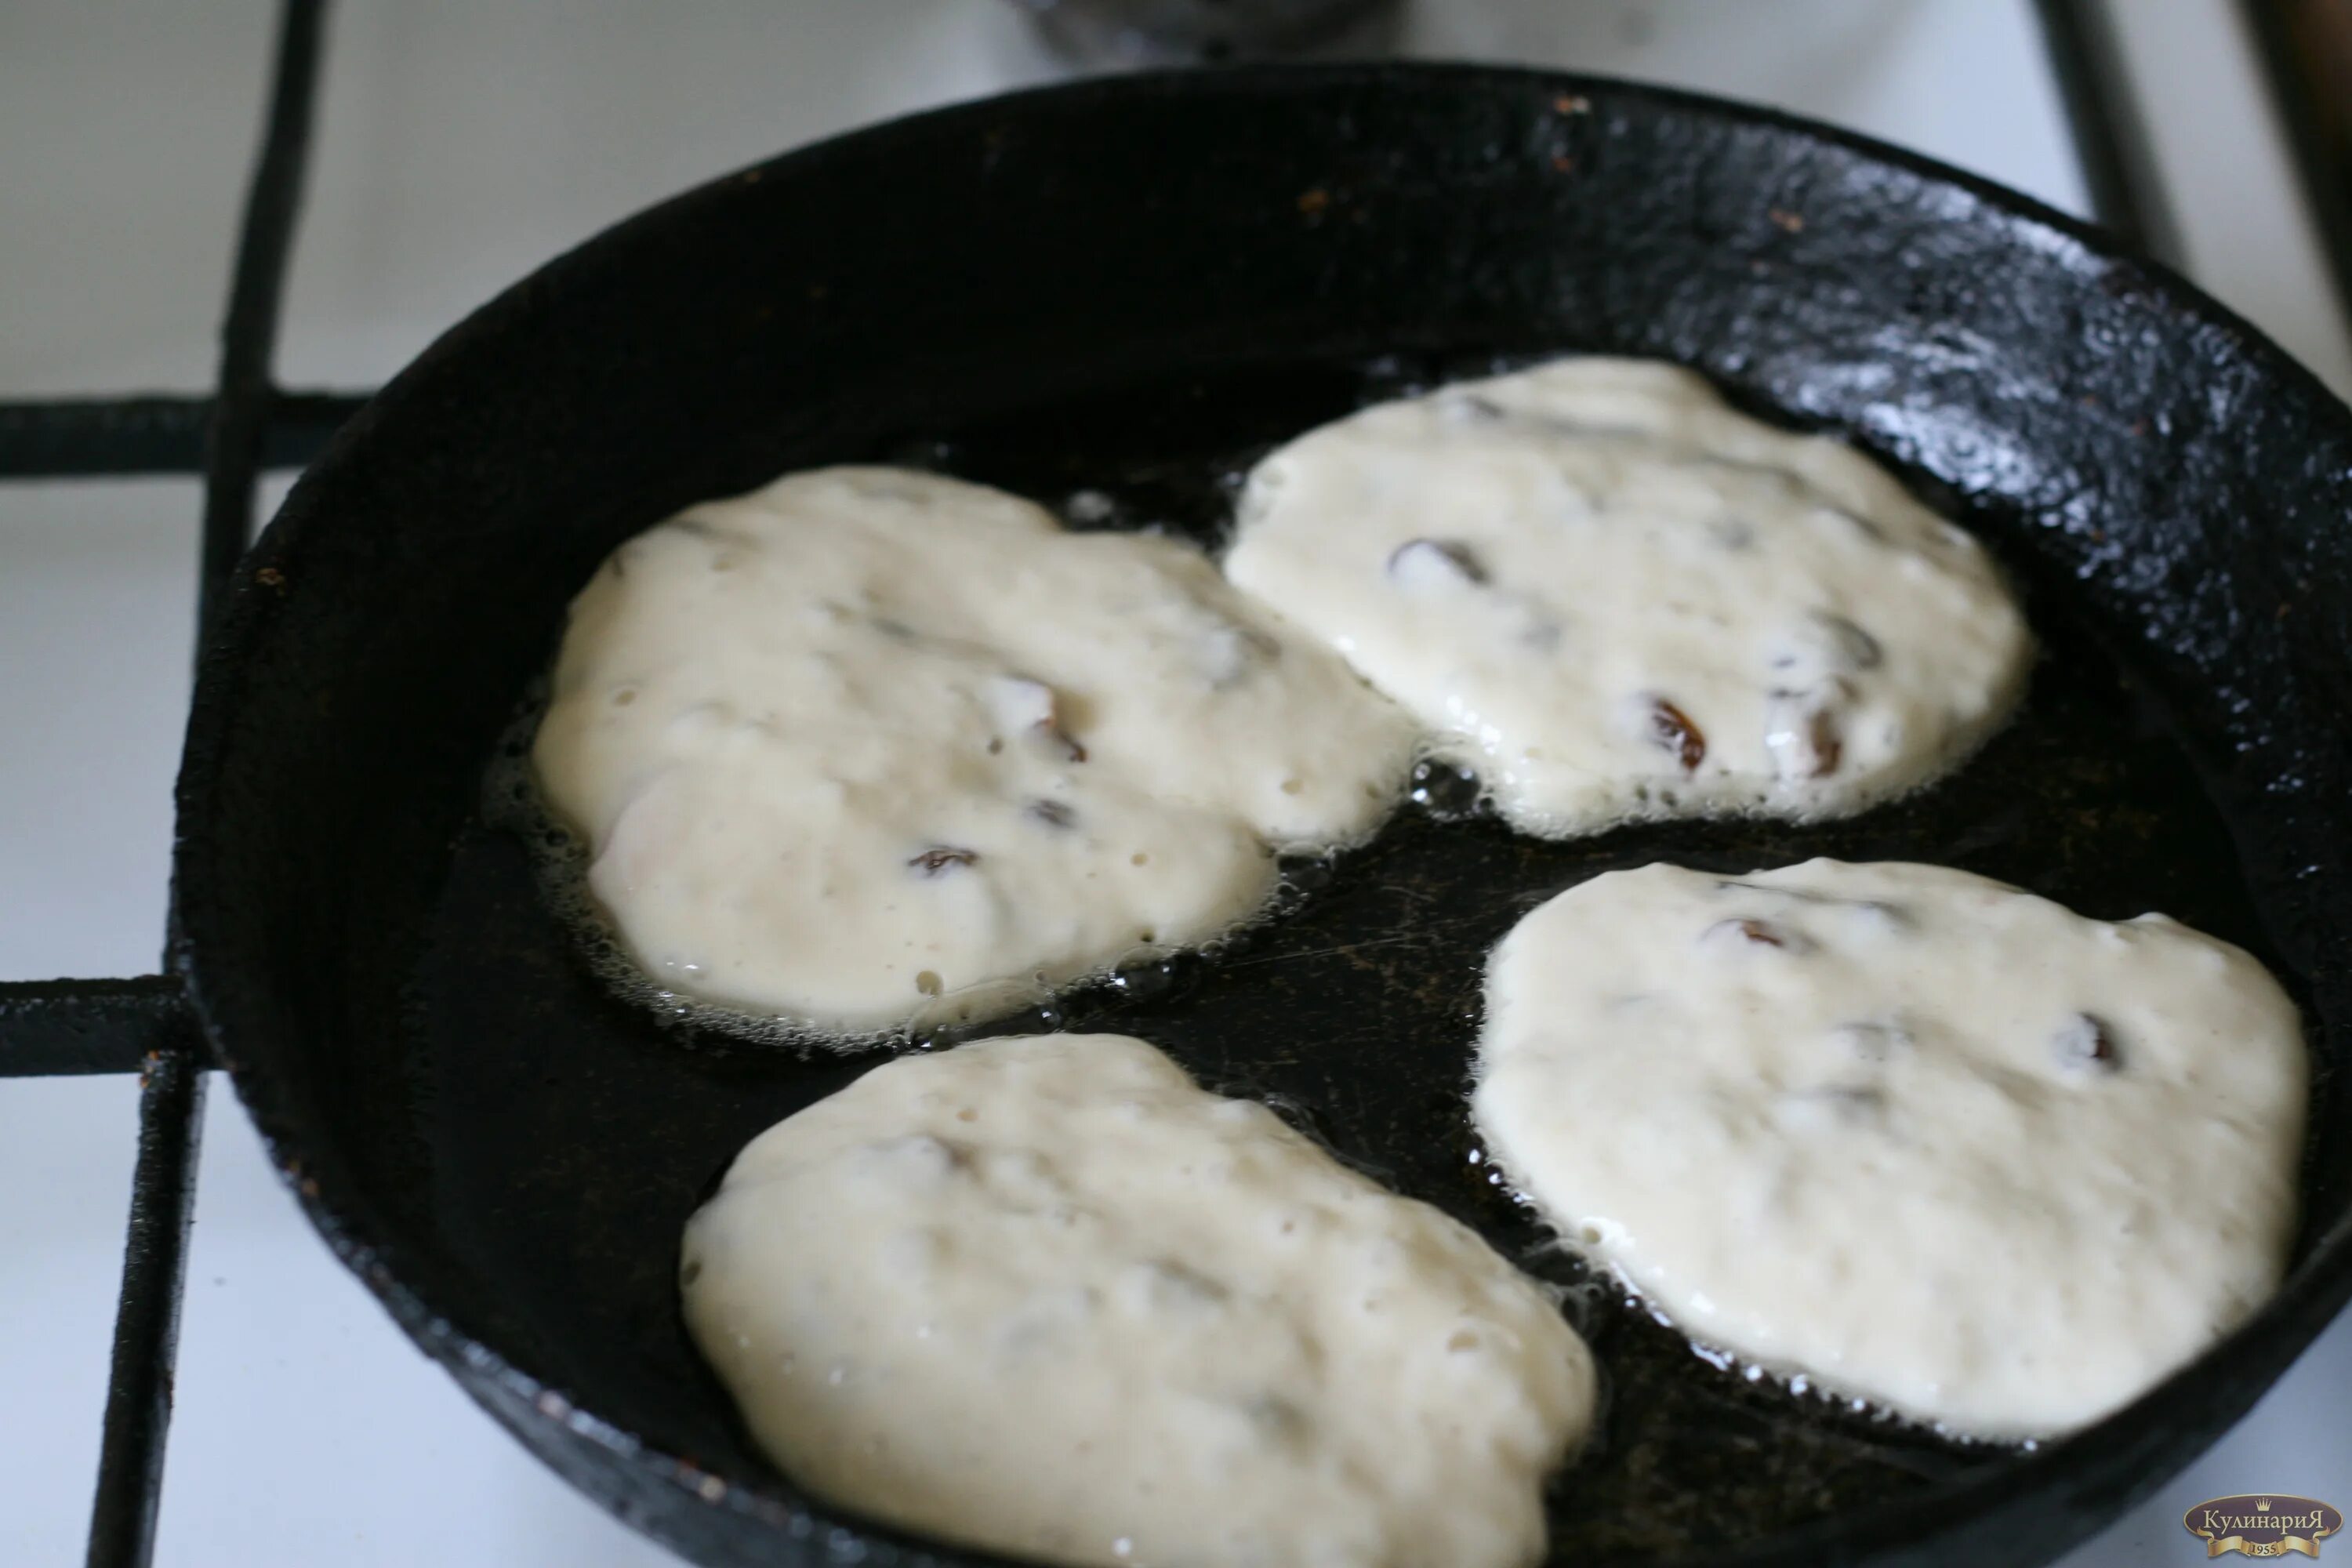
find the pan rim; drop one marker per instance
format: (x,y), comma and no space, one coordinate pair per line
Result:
(2094,1471)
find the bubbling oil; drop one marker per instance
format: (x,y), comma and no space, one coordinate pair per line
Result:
(1597,1288)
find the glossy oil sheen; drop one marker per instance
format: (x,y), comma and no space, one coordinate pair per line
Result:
(1134,287)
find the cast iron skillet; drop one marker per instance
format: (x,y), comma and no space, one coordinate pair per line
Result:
(1134,286)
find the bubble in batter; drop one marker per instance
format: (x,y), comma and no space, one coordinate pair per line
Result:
(1901,1132)
(1616,598)
(1044,1295)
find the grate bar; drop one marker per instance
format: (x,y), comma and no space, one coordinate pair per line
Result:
(88,437)
(2110,143)
(55,1027)
(2297,81)
(162,1196)
(147,1323)
(241,409)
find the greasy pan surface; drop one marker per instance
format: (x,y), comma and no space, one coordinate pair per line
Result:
(1135,286)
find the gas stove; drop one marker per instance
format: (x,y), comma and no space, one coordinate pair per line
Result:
(450,148)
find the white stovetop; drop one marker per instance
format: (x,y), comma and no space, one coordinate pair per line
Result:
(462,143)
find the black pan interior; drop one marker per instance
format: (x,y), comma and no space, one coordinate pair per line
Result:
(1134,289)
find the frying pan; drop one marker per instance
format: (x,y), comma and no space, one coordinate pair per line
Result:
(1134,287)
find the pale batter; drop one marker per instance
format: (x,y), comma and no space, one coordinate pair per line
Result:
(1614,597)
(868,738)
(1042,1294)
(1918,1136)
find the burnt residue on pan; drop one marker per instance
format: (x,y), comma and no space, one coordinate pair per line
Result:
(1128,288)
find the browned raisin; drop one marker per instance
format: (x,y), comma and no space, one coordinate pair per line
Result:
(1672,731)
(1761,933)
(1801,730)
(936,860)
(2088,1044)
(1021,703)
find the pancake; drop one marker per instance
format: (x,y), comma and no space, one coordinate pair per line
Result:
(868,742)
(1917,1137)
(1042,1294)
(1614,598)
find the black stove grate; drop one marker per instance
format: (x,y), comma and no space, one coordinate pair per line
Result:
(112,1025)
(249,424)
